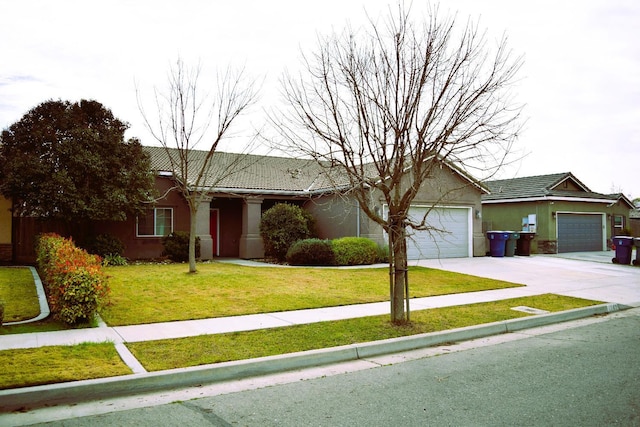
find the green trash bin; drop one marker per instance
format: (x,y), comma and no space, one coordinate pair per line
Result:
(510,247)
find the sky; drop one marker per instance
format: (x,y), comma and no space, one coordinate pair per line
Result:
(580,82)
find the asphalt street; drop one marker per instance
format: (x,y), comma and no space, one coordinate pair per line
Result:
(585,372)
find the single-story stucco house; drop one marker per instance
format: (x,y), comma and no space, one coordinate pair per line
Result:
(229,218)
(228,221)
(565,214)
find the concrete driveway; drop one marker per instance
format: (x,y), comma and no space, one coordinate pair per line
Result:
(589,275)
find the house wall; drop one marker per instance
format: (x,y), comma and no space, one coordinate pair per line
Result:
(335,216)
(508,217)
(5,230)
(148,247)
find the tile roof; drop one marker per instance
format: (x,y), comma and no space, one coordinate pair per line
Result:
(540,186)
(264,174)
(245,173)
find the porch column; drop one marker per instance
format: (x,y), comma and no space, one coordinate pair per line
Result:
(202,229)
(250,240)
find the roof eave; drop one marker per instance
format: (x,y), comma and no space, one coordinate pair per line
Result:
(549,199)
(266,192)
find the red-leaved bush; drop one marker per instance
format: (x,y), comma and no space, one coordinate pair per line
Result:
(74,280)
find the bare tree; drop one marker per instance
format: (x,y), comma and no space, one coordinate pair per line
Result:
(384,106)
(189,118)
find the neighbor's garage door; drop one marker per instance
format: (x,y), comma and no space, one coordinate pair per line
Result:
(579,232)
(454,243)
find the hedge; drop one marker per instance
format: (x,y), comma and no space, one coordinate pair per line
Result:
(311,252)
(73,279)
(355,251)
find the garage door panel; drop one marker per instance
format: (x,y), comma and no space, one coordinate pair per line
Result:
(447,238)
(579,232)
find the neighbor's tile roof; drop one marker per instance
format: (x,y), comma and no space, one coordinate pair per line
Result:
(250,172)
(539,186)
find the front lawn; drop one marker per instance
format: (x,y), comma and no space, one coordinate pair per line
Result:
(159,293)
(18,292)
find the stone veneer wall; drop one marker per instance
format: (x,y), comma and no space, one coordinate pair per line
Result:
(547,246)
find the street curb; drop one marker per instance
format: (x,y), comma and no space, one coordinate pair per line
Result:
(88,390)
(42,300)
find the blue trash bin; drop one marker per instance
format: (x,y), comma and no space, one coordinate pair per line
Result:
(637,243)
(497,242)
(624,247)
(510,244)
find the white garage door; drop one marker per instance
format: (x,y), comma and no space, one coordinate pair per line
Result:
(452,242)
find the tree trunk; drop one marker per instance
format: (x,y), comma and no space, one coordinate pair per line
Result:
(192,238)
(398,275)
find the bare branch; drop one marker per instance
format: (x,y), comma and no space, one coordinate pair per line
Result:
(190,123)
(392,104)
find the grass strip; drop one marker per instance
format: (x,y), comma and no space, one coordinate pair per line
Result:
(56,364)
(207,349)
(162,293)
(45,325)
(19,294)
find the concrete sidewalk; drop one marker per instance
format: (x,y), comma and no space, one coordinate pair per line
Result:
(585,275)
(590,276)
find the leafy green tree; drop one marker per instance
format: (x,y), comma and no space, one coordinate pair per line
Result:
(70,161)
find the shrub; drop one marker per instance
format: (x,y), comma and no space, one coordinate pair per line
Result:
(311,252)
(113,259)
(75,283)
(106,244)
(283,225)
(383,254)
(355,251)
(176,246)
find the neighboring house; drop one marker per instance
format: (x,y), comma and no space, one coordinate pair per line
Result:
(228,222)
(6,251)
(565,214)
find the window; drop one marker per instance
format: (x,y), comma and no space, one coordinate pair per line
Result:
(156,222)
(618,221)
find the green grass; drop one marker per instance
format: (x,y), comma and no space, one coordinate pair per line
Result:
(206,349)
(18,292)
(49,365)
(45,325)
(160,293)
